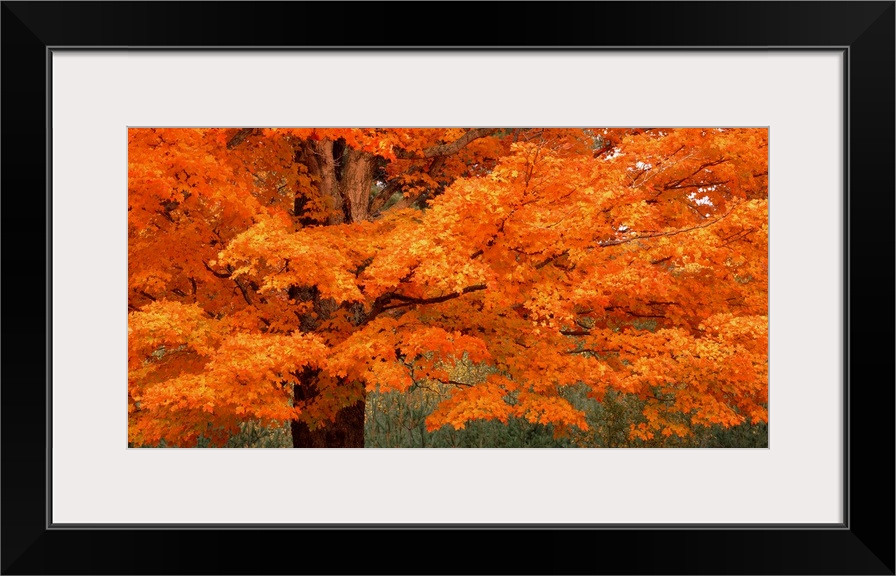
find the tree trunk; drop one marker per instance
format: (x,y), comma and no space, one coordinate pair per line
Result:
(355,182)
(345,178)
(347,431)
(321,160)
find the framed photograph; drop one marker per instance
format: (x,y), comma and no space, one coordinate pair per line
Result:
(801,94)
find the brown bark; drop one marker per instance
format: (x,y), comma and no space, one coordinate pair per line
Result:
(238,138)
(318,157)
(451,147)
(438,155)
(346,431)
(344,178)
(355,182)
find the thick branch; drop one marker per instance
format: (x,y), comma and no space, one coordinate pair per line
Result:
(547,261)
(449,148)
(243,290)
(407,201)
(238,138)
(216,272)
(382,303)
(411,301)
(438,154)
(576,332)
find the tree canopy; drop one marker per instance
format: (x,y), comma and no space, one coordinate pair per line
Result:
(283,274)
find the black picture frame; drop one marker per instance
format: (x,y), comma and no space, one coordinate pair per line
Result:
(863,544)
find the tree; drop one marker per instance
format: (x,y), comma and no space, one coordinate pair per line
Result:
(280,274)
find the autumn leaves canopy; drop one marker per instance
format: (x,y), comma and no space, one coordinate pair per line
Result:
(281,274)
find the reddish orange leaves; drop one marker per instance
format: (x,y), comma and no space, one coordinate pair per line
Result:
(279,274)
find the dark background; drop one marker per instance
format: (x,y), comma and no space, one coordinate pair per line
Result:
(865,545)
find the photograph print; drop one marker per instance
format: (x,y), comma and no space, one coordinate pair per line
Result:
(448,287)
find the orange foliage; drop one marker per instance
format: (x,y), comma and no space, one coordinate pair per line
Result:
(634,260)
